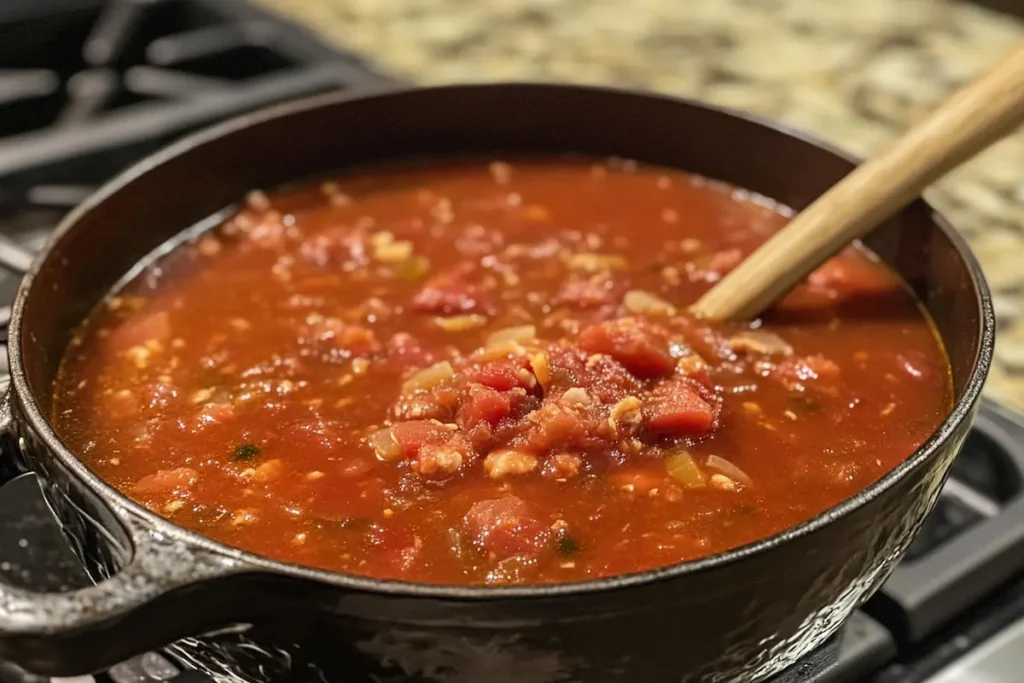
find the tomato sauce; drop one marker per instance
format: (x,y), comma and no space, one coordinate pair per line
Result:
(484,373)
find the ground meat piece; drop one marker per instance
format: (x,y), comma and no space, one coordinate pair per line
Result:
(509,461)
(439,460)
(449,293)
(562,466)
(642,347)
(556,426)
(177,481)
(626,415)
(677,407)
(505,528)
(484,404)
(436,450)
(503,375)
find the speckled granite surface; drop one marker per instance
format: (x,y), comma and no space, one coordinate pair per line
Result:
(853,73)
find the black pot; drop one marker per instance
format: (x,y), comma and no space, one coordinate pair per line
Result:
(739,616)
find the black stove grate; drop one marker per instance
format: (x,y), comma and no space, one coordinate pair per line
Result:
(88,87)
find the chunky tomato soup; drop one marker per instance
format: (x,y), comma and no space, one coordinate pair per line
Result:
(484,373)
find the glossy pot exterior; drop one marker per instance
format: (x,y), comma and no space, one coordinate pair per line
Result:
(740,616)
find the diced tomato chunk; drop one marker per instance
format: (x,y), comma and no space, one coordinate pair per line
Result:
(804,297)
(505,528)
(412,436)
(448,293)
(179,481)
(849,273)
(484,404)
(641,348)
(677,408)
(503,375)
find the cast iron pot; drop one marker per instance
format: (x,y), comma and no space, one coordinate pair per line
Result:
(738,616)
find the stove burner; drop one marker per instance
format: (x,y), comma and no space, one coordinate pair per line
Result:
(60,69)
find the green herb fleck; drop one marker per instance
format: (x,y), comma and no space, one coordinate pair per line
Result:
(567,545)
(245,452)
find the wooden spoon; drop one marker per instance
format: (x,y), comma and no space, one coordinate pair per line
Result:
(976,116)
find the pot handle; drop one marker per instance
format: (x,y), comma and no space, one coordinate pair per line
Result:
(167,589)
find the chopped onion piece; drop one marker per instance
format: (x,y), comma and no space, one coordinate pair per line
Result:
(681,467)
(575,396)
(393,252)
(640,302)
(760,342)
(728,469)
(384,444)
(461,323)
(430,377)
(519,333)
(541,369)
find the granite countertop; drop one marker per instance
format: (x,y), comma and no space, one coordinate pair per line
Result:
(854,74)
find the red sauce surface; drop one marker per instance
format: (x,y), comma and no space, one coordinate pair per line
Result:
(472,373)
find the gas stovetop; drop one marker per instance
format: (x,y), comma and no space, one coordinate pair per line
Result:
(87,87)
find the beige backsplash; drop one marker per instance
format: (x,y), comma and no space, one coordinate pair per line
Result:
(853,73)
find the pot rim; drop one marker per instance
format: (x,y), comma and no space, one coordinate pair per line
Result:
(961,411)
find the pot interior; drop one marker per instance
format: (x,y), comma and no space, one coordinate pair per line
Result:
(105,239)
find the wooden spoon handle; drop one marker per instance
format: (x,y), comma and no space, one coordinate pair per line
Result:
(976,116)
